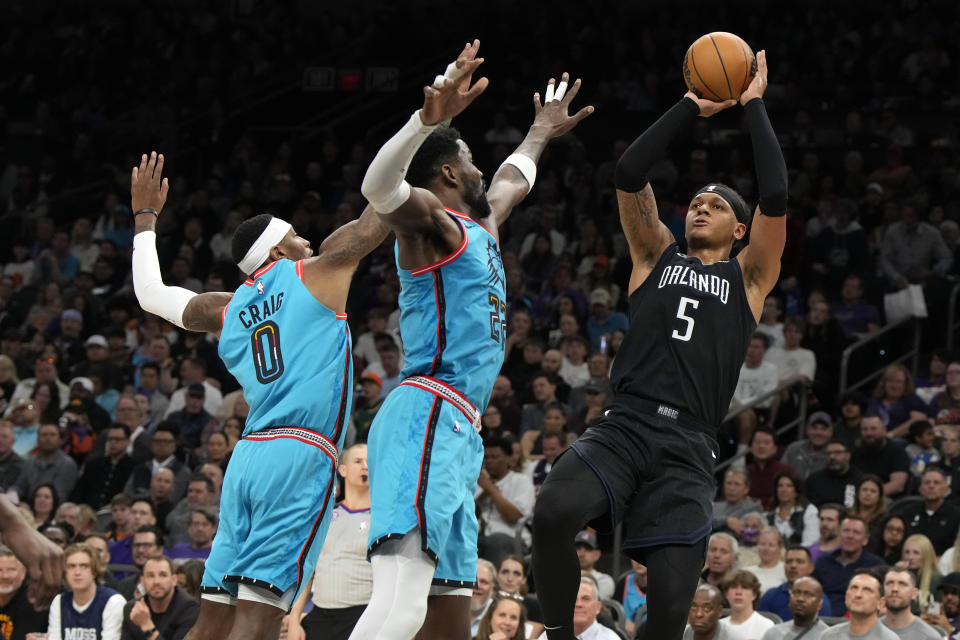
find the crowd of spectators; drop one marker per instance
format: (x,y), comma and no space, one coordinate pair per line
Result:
(117,428)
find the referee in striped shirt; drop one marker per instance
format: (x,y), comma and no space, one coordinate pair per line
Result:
(343,579)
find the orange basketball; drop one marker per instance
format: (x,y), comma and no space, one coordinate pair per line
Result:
(719,66)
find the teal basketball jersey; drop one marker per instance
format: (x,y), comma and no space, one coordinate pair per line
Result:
(291,354)
(453,315)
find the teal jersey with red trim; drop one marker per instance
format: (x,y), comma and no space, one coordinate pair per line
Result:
(291,354)
(453,315)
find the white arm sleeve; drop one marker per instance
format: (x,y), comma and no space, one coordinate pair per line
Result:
(383,185)
(53,619)
(113,618)
(154,296)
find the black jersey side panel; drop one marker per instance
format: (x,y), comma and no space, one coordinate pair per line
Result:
(690,325)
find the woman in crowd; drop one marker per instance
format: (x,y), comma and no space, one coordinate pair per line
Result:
(217,449)
(46,395)
(795,518)
(920,557)
(868,504)
(512,581)
(770,571)
(8,381)
(233,430)
(554,421)
(44,503)
(895,402)
(889,543)
(504,619)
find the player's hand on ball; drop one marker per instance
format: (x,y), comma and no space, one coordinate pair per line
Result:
(552,112)
(759,83)
(451,93)
(709,107)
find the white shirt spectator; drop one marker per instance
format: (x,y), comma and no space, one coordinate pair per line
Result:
(769,577)
(790,363)
(518,489)
(596,631)
(752,628)
(946,561)
(575,376)
(774,332)
(112,617)
(753,383)
(605,583)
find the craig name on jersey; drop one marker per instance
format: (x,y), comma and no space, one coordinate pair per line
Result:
(685,276)
(254,314)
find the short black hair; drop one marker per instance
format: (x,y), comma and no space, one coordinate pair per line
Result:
(246,234)
(918,428)
(853,397)
(877,573)
(122,427)
(170,427)
(502,443)
(438,149)
(800,547)
(199,477)
(149,528)
(762,337)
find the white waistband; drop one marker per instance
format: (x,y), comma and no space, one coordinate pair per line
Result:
(449,394)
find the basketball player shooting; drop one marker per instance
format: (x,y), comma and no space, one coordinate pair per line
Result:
(649,461)
(283,335)
(424,447)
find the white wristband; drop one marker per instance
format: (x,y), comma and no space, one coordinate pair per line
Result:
(154,296)
(383,185)
(524,165)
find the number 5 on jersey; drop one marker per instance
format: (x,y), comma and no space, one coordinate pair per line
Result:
(682,315)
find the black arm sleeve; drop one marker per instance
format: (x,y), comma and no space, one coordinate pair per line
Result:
(631,173)
(771,169)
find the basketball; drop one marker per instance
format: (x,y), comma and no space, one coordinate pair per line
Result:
(719,66)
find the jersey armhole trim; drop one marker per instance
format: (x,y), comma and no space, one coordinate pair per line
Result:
(450,258)
(223,314)
(300,271)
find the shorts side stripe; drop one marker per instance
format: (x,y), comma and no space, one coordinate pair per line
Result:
(425,469)
(316,525)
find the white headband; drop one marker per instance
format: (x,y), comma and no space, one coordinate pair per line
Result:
(260,250)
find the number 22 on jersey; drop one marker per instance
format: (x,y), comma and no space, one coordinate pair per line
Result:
(688,321)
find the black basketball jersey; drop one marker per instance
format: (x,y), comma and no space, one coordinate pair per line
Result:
(690,325)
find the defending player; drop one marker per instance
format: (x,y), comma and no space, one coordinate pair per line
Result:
(284,336)
(425,453)
(649,461)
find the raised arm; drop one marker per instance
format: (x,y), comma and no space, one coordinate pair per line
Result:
(328,274)
(406,208)
(184,308)
(760,260)
(646,235)
(515,177)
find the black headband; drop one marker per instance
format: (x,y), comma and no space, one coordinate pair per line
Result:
(734,199)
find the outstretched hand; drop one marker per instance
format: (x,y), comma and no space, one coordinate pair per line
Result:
(759,83)
(451,93)
(553,112)
(148,190)
(709,107)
